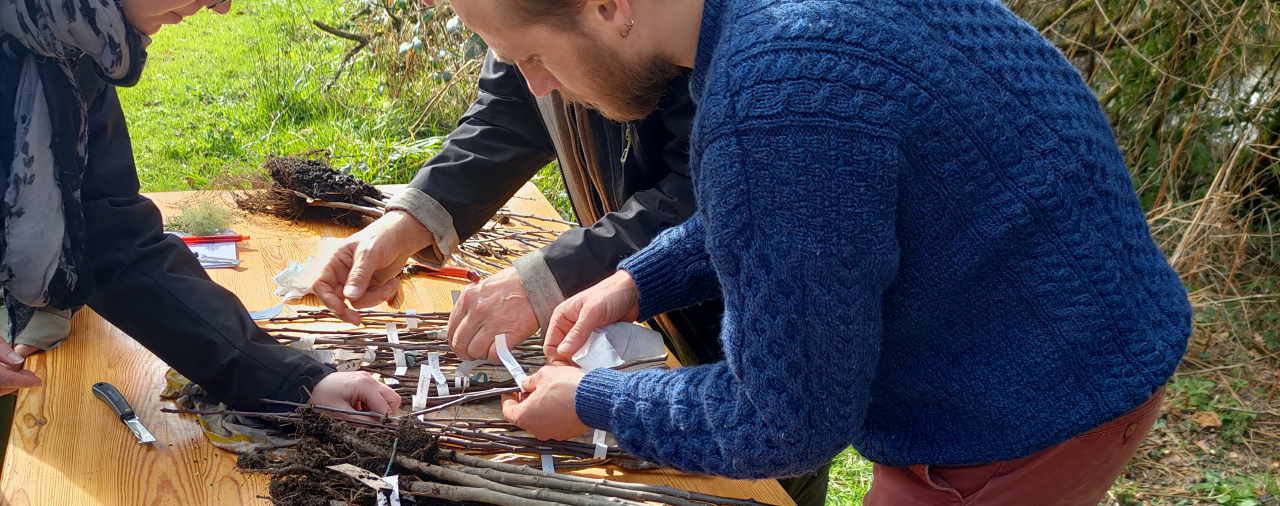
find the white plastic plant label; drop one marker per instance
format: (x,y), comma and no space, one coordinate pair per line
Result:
(393,337)
(598,439)
(461,375)
(509,361)
(390,497)
(411,321)
(433,367)
(548,464)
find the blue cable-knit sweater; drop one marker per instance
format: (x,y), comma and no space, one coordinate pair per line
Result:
(926,240)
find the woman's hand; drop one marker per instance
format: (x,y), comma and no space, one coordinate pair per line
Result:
(148,16)
(12,375)
(616,299)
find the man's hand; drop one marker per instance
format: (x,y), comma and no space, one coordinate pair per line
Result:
(365,268)
(546,409)
(497,305)
(355,390)
(12,376)
(616,299)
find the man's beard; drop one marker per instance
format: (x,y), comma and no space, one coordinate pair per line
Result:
(624,90)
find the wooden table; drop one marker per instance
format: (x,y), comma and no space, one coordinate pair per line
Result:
(66,447)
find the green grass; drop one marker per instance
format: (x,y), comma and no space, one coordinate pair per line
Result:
(221,92)
(850,479)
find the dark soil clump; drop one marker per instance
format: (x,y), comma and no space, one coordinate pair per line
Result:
(294,179)
(300,475)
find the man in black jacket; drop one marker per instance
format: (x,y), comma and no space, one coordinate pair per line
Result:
(627,182)
(632,183)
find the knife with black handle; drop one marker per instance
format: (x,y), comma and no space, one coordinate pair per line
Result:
(110,395)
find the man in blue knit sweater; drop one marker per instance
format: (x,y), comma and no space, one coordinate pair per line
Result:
(925,237)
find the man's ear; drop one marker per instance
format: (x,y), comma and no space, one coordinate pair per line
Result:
(614,13)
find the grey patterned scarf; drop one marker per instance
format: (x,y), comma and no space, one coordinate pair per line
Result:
(43,142)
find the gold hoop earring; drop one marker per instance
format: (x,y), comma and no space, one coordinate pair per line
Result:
(630,24)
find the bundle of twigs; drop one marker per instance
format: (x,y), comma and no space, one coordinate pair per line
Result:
(426,467)
(309,189)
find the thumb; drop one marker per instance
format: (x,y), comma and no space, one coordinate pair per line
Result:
(19,378)
(573,340)
(8,356)
(360,275)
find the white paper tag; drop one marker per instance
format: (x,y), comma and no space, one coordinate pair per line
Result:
(548,464)
(370,353)
(365,477)
(462,375)
(393,337)
(411,322)
(513,367)
(324,356)
(616,344)
(433,365)
(424,387)
(390,497)
(602,449)
(306,343)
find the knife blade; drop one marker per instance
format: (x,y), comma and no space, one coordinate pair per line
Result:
(112,397)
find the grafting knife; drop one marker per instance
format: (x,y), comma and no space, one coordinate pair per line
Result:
(108,393)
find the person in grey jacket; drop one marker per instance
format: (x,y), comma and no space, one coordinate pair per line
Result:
(74,229)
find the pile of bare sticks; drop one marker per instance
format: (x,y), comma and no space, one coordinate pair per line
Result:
(308,189)
(342,462)
(425,446)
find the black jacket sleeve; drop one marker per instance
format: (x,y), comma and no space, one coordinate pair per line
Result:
(149,284)
(499,144)
(583,256)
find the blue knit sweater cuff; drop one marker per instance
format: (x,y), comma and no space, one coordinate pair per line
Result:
(594,399)
(665,282)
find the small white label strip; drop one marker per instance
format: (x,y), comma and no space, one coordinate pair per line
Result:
(548,464)
(370,353)
(424,389)
(602,449)
(433,365)
(411,322)
(394,500)
(307,343)
(462,375)
(393,337)
(365,477)
(513,367)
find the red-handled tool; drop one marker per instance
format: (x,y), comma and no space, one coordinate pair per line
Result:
(207,239)
(442,272)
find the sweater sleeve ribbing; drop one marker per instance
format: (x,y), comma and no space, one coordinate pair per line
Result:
(804,247)
(674,271)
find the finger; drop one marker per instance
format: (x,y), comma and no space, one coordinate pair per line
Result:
(481,345)
(574,339)
(19,379)
(8,356)
(462,323)
(25,350)
(511,408)
(558,326)
(373,399)
(361,272)
(393,399)
(378,293)
(330,298)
